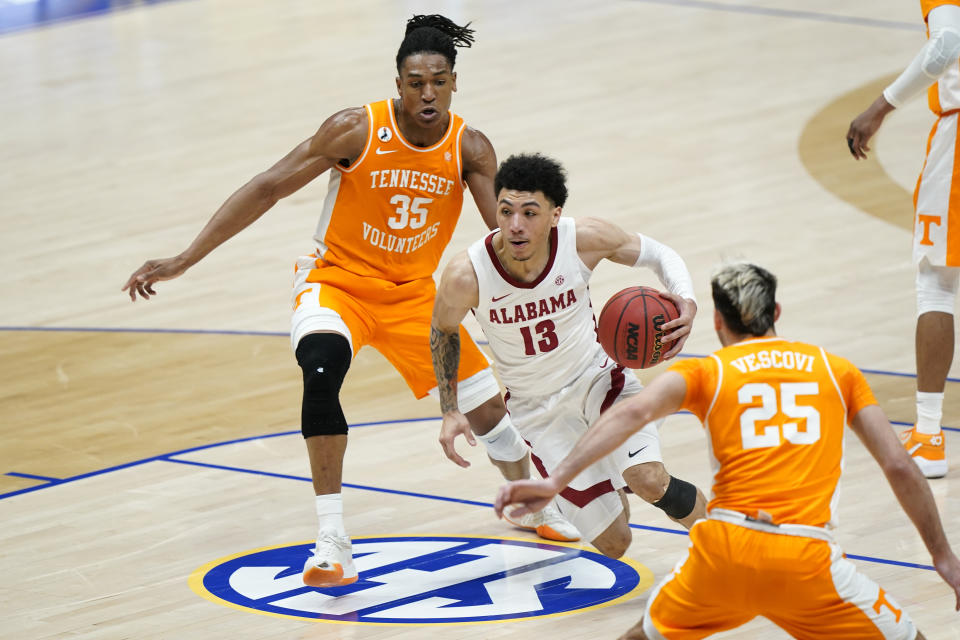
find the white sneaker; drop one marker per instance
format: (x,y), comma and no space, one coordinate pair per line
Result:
(331,564)
(549,524)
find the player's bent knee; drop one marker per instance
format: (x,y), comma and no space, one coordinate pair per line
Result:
(611,549)
(679,500)
(487,416)
(615,540)
(324,359)
(648,480)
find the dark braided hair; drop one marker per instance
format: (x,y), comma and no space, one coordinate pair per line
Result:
(433,34)
(533,172)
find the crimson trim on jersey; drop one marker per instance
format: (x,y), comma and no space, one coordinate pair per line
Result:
(488,242)
(575,496)
(616,386)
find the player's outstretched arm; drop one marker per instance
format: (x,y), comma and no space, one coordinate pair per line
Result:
(599,239)
(911,489)
(457,293)
(341,137)
(479,170)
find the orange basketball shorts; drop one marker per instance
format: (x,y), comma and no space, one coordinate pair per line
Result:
(805,585)
(393,318)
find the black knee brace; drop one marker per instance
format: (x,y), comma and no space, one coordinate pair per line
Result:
(324,359)
(678,500)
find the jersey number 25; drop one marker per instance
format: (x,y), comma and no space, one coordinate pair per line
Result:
(772,435)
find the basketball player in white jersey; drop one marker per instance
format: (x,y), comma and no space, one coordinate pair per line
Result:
(386,220)
(936,232)
(527,284)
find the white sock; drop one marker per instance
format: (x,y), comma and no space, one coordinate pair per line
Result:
(929,412)
(330,513)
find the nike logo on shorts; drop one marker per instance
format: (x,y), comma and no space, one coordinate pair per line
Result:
(630,454)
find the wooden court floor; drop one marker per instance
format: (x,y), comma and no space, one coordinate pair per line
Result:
(140,442)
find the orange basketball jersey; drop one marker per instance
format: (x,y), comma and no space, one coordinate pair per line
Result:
(391,214)
(775,413)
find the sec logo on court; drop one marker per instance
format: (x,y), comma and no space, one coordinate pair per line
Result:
(426,580)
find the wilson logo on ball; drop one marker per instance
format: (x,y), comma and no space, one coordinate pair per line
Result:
(658,321)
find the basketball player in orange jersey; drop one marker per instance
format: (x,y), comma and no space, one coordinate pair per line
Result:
(527,284)
(774,413)
(399,168)
(936,225)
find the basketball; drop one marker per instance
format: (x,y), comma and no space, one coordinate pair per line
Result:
(629,326)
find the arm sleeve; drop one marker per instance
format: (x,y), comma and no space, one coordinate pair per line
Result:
(940,52)
(667,264)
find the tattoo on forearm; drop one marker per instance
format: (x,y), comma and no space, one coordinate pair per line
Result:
(445,348)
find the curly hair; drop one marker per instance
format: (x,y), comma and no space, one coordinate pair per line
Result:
(533,172)
(433,34)
(745,295)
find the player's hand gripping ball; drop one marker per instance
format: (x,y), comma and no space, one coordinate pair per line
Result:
(630,326)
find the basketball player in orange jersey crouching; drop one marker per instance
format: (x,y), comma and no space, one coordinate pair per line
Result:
(399,171)
(527,285)
(774,413)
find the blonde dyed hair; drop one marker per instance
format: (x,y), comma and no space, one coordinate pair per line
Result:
(745,295)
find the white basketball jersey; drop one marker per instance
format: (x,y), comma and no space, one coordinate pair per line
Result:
(541,333)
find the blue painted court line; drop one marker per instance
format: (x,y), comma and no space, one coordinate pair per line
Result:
(349,485)
(237,332)
(897,563)
(31,476)
(164,456)
(910,424)
(20,15)
(284,334)
(476,503)
(226,332)
(169,457)
(682,532)
(815,16)
(223,467)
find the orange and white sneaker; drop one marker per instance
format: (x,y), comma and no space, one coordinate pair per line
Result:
(549,524)
(927,451)
(331,564)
